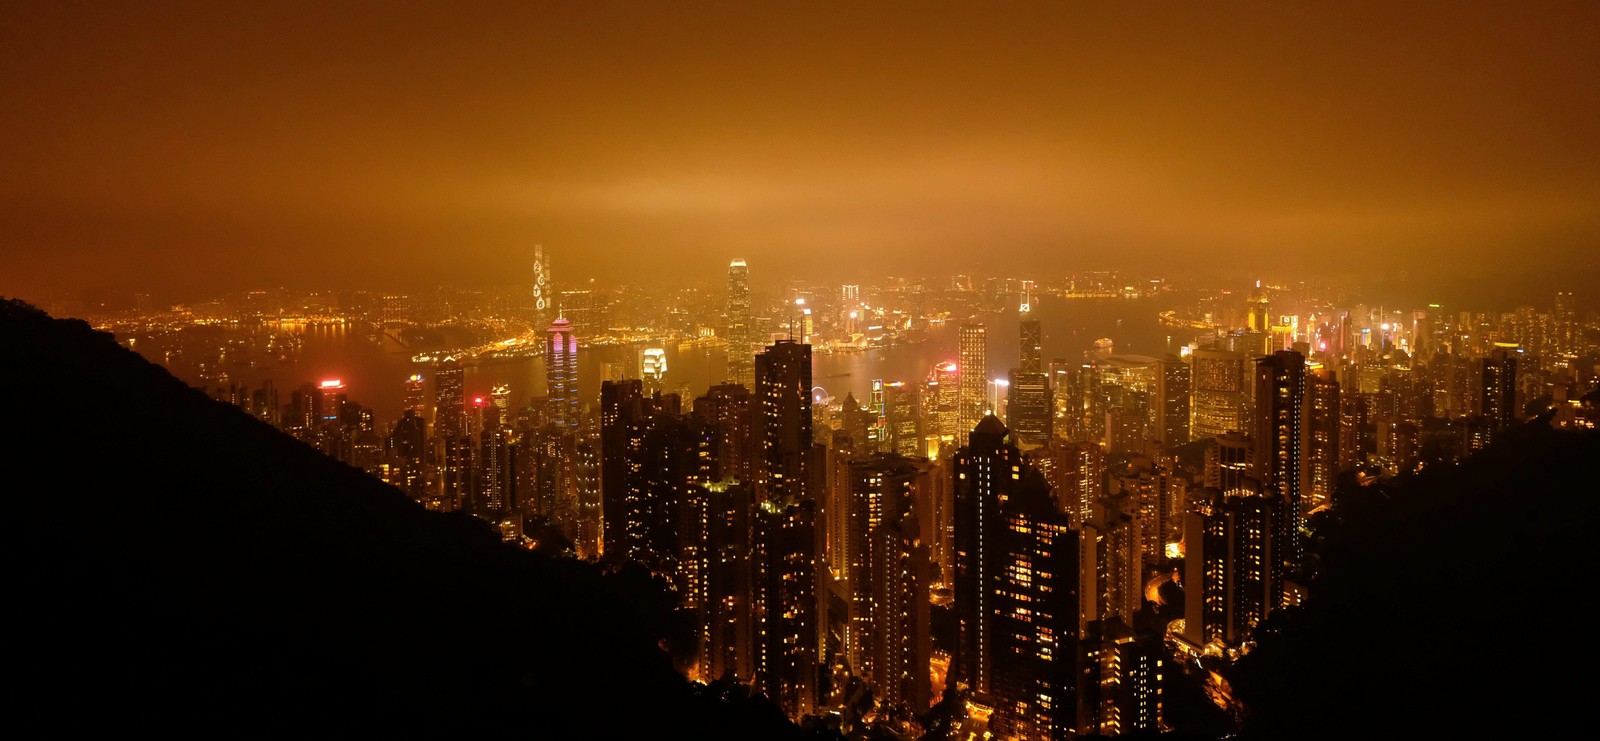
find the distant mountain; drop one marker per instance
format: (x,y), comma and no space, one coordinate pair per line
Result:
(1451,605)
(179,567)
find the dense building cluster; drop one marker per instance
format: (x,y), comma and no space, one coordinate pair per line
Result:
(1048,550)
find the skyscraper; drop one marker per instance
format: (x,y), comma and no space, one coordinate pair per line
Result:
(543,292)
(741,368)
(1498,389)
(1220,396)
(621,406)
(987,469)
(786,547)
(1278,457)
(653,369)
(783,402)
(1321,447)
(561,373)
(1017,589)
(971,398)
(1174,388)
(449,399)
(1029,409)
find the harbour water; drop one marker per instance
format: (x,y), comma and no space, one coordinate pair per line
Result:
(374,367)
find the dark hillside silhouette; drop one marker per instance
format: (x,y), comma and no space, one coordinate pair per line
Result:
(1453,604)
(180,567)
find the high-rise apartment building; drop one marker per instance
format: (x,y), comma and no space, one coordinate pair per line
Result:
(1278,459)
(783,404)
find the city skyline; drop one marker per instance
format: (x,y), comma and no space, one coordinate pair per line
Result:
(826,372)
(230,145)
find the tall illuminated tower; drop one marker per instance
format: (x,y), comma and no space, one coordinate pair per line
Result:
(417,396)
(971,399)
(783,404)
(543,291)
(1278,461)
(1219,393)
(1029,409)
(741,362)
(561,373)
(449,399)
(785,543)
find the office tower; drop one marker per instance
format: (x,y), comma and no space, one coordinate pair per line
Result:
(653,370)
(740,332)
(878,427)
(1233,575)
(543,290)
(330,401)
(973,380)
(783,403)
(1321,447)
(729,408)
(500,406)
(1278,460)
(1016,588)
(1220,395)
(1032,354)
(416,396)
(561,373)
(1029,409)
(1174,388)
(943,389)
(449,399)
(903,419)
(1498,387)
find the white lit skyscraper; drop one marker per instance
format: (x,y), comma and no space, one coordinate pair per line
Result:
(741,361)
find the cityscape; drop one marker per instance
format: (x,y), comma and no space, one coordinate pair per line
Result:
(1055,480)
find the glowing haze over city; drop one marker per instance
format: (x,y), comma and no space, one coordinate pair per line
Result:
(889,370)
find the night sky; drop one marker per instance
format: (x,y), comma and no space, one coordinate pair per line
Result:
(215,146)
